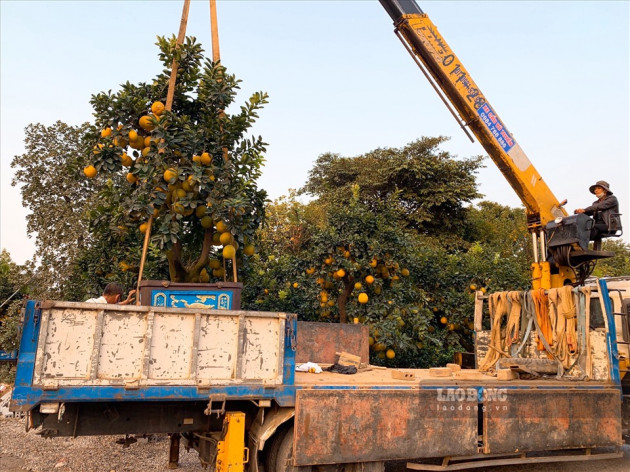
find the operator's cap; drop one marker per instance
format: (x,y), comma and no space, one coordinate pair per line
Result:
(600,183)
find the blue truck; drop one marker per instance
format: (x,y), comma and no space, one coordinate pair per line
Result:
(224,383)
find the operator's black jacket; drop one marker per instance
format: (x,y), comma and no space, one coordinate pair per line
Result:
(606,211)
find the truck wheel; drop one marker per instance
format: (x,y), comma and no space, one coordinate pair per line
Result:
(280,457)
(274,445)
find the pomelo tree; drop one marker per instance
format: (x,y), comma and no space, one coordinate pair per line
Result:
(192,170)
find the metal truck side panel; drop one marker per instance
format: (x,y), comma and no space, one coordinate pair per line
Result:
(119,358)
(538,420)
(319,342)
(83,344)
(343,426)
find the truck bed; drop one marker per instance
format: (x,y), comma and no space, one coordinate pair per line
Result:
(411,418)
(382,377)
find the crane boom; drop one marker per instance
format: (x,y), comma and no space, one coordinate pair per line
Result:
(424,42)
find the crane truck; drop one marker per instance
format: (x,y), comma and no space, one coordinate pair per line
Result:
(223,381)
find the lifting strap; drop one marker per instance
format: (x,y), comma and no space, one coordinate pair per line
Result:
(514,318)
(569,312)
(531,307)
(585,316)
(498,308)
(541,304)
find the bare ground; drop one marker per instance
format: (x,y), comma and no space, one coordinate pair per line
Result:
(21,451)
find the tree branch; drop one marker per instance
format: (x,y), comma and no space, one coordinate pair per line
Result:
(205,251)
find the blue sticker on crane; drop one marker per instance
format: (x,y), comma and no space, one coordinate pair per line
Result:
(493,123)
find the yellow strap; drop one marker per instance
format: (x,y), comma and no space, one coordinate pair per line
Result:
(498,306)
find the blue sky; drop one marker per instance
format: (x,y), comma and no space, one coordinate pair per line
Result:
(339,80)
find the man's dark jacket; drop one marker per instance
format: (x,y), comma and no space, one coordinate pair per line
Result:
(606,211)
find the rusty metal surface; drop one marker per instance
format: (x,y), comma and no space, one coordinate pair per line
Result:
(318,342)
(521,421)
(343,426)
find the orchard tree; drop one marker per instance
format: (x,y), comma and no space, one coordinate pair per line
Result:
(49,176)
(192,170)
(342,264)
(428,187)
(75,262)
(619,264)
(14,286)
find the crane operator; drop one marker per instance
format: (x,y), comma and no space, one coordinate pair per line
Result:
(605,211)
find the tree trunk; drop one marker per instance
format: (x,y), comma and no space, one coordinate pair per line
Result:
(348,285)
(178,272)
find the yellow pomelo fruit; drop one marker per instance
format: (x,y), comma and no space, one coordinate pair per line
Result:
(106,132)
(390,354)
(200,211)
(146,123)
(143,227)
(132,179)
(221,227)
(126,160)
(369,279)
(249,250)
(158,108)
(137,142)
(170,175)
(206,159)
(90,172)
(363,298)
(226,238)
(206,221)
(229,252)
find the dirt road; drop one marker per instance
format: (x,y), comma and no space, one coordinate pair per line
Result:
(21,451)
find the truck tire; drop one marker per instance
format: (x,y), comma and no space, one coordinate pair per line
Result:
(285,452)
(271,456)
(281,454)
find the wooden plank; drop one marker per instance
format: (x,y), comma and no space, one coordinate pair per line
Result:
(440,372)
(401,375)
(345,358)
(478,311)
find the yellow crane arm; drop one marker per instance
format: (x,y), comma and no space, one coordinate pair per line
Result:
(448,75)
